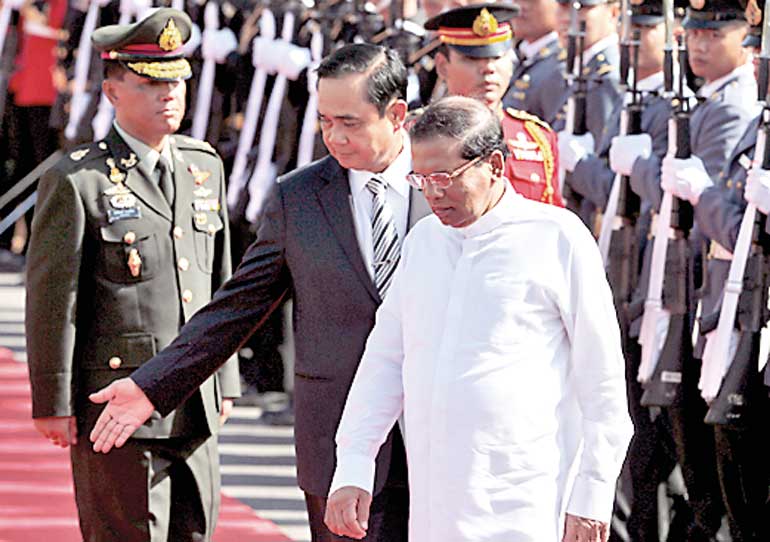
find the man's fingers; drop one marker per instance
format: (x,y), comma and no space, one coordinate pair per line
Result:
(362,508)
(350,520)
(104,438)
(101,423)
(103,395)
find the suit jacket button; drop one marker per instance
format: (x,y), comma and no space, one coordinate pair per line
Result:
(115,362)
(184,265)
(187,296)
(178,232)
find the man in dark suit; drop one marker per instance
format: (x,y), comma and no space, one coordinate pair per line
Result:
(129,239)
(329,237)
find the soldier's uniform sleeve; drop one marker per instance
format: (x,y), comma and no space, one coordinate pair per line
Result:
(718,135)
(645,175)
(719,215)
(54,260)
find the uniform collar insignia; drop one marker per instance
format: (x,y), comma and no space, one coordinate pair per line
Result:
(79,155)
(128,162)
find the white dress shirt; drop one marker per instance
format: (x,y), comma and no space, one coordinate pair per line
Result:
(506,363)
(397,197)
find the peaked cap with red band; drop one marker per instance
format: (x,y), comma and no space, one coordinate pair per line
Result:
(151,47)
(478,30)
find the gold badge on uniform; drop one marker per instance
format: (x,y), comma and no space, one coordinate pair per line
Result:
(134,262)
(79,155)
(485,24)
(123,201)
(128,162)
(171,37)
(201,219)
(199,175)
(116,177)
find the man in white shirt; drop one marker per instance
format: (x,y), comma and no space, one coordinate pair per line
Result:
(504,359)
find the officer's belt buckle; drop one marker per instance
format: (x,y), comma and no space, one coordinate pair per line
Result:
(718,252)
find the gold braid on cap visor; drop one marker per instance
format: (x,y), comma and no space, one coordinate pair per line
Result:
(462,36)
(170,69)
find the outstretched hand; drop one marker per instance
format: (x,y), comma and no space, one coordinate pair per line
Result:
(127,409)
(577,529)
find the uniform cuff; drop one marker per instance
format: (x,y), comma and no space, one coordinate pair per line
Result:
(354,470)
(592,499)
(52,395)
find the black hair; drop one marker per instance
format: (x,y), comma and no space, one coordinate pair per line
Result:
(113,69)
(387,74)
(464,119)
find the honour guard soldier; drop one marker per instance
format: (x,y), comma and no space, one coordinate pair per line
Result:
(540,54)
(740,444)
(476,60)
(130,238)
(714,31)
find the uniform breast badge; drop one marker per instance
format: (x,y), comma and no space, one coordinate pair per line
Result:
(79,155)
(198,174)
(134,262)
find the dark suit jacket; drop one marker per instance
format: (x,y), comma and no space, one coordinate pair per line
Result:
(85,309)
(307,248)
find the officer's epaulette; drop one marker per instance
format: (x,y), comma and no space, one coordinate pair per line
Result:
(83,154)
(603,68)
(523,115)
(186,142)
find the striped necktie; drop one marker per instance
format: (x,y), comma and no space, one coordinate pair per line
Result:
(387,248)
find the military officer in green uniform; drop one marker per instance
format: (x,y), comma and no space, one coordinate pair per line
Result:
(130,238)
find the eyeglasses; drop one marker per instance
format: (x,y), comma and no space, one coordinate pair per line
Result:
(439,179)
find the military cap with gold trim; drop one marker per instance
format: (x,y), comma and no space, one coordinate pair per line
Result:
(712,13)
(478,31)
(151,47)
(753,10)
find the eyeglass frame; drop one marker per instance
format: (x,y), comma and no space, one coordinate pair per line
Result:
(414,178)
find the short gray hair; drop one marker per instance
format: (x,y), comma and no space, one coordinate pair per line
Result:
(464,119)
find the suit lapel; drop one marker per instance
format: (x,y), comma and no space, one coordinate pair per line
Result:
(418,208)
(334,197)
(137,179)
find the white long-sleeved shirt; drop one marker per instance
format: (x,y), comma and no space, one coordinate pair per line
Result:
(499,342)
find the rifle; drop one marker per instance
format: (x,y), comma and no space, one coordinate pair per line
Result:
(576,105)
(623,251)
(746,288)
(662,383)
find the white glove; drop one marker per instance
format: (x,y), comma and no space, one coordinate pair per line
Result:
(262,54)
(217,44)
(625,150)
(194,41)
(292,59)
(684,178)
(573,148)
(757,189)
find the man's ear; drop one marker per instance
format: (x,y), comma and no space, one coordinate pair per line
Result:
(497,161)
(397,113)
(441,64)
(108,89)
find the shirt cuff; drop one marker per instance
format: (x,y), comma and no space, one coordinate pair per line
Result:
(592,499)
(354,470)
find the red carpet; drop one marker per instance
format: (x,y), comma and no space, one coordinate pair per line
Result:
(36,495)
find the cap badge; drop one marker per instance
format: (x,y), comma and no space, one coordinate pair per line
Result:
(697,4)
(753,13)
(171,37)
(485,24)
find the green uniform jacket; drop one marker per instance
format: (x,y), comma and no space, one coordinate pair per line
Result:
(113,272)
